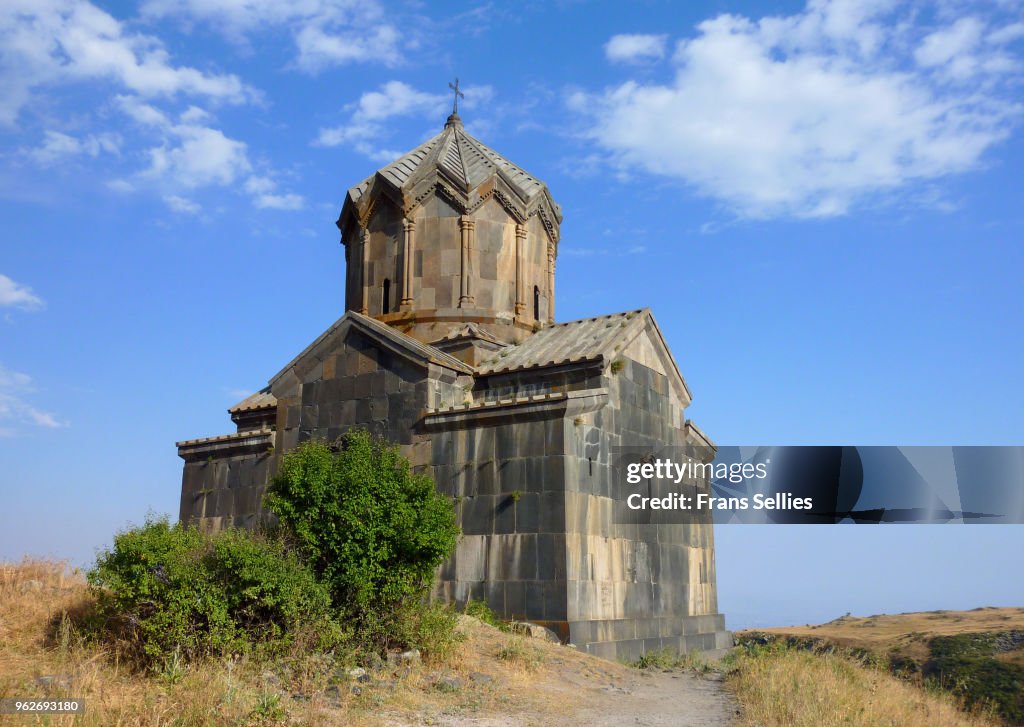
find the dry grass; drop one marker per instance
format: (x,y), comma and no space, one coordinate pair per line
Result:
(794,688)
(38,639)
(907,633)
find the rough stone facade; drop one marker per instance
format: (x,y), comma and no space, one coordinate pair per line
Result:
(514,416)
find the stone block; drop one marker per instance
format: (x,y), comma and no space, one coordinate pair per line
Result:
(504,442)
(504,515)
(550,557)
(515,600)
(510,476)
(552,512)
(378,380)
(379,407)
(494,596)
(485,477)
(555,607)
(528,512)
(478,515)
(361,387)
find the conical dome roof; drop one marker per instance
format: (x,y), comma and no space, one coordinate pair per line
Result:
(467,171)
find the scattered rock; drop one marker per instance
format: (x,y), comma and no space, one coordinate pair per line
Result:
(373,661)
(356,691)
(62,681)
(480,678)
(405,658)
(356,672)
(300,697)
(535,631)
(448,684)
(363,678)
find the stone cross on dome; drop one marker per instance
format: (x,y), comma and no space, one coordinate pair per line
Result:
(458,94)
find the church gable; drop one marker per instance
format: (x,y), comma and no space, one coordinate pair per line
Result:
(360,373)
(377,336)
(646,346)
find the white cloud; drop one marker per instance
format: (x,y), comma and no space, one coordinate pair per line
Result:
(121,186)
(634,48)
(194,115)
(320,47)
(15,409)
(199,156)
(367,125)
(193,154)
(264,196)
(182,205)
(1006,34)
(325,32)
(57,146)
(47,42)
(808,114)
(16,295)
(142,112)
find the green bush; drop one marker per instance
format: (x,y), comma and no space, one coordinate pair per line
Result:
(174,592)
(966,665)
(373,531)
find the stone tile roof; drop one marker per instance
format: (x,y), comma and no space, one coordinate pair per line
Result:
(465,161)
(262,399)
(584,340)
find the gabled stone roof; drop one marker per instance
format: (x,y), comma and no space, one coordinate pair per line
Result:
(585,340)
(463,166)
(262,399)
(383,332)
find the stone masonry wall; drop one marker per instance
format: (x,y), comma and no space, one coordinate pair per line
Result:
(620,575)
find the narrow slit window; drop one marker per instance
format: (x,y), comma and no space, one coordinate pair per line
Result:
(385,304)
(536,303)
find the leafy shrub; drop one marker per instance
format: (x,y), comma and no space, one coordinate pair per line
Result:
(480,610)
(430,627)
(170,592)
(371,529)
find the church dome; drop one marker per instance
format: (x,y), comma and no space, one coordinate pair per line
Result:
(448,234)
(463,162)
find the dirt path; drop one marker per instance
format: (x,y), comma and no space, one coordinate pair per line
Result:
(651,699)
(571,689)
(644,700)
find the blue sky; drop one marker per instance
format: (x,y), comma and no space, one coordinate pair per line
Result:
(820,202)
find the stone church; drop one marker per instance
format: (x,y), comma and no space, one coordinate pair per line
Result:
(449,346)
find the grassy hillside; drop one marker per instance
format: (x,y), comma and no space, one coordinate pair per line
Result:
(42,656)
(975,656)
(492,678)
